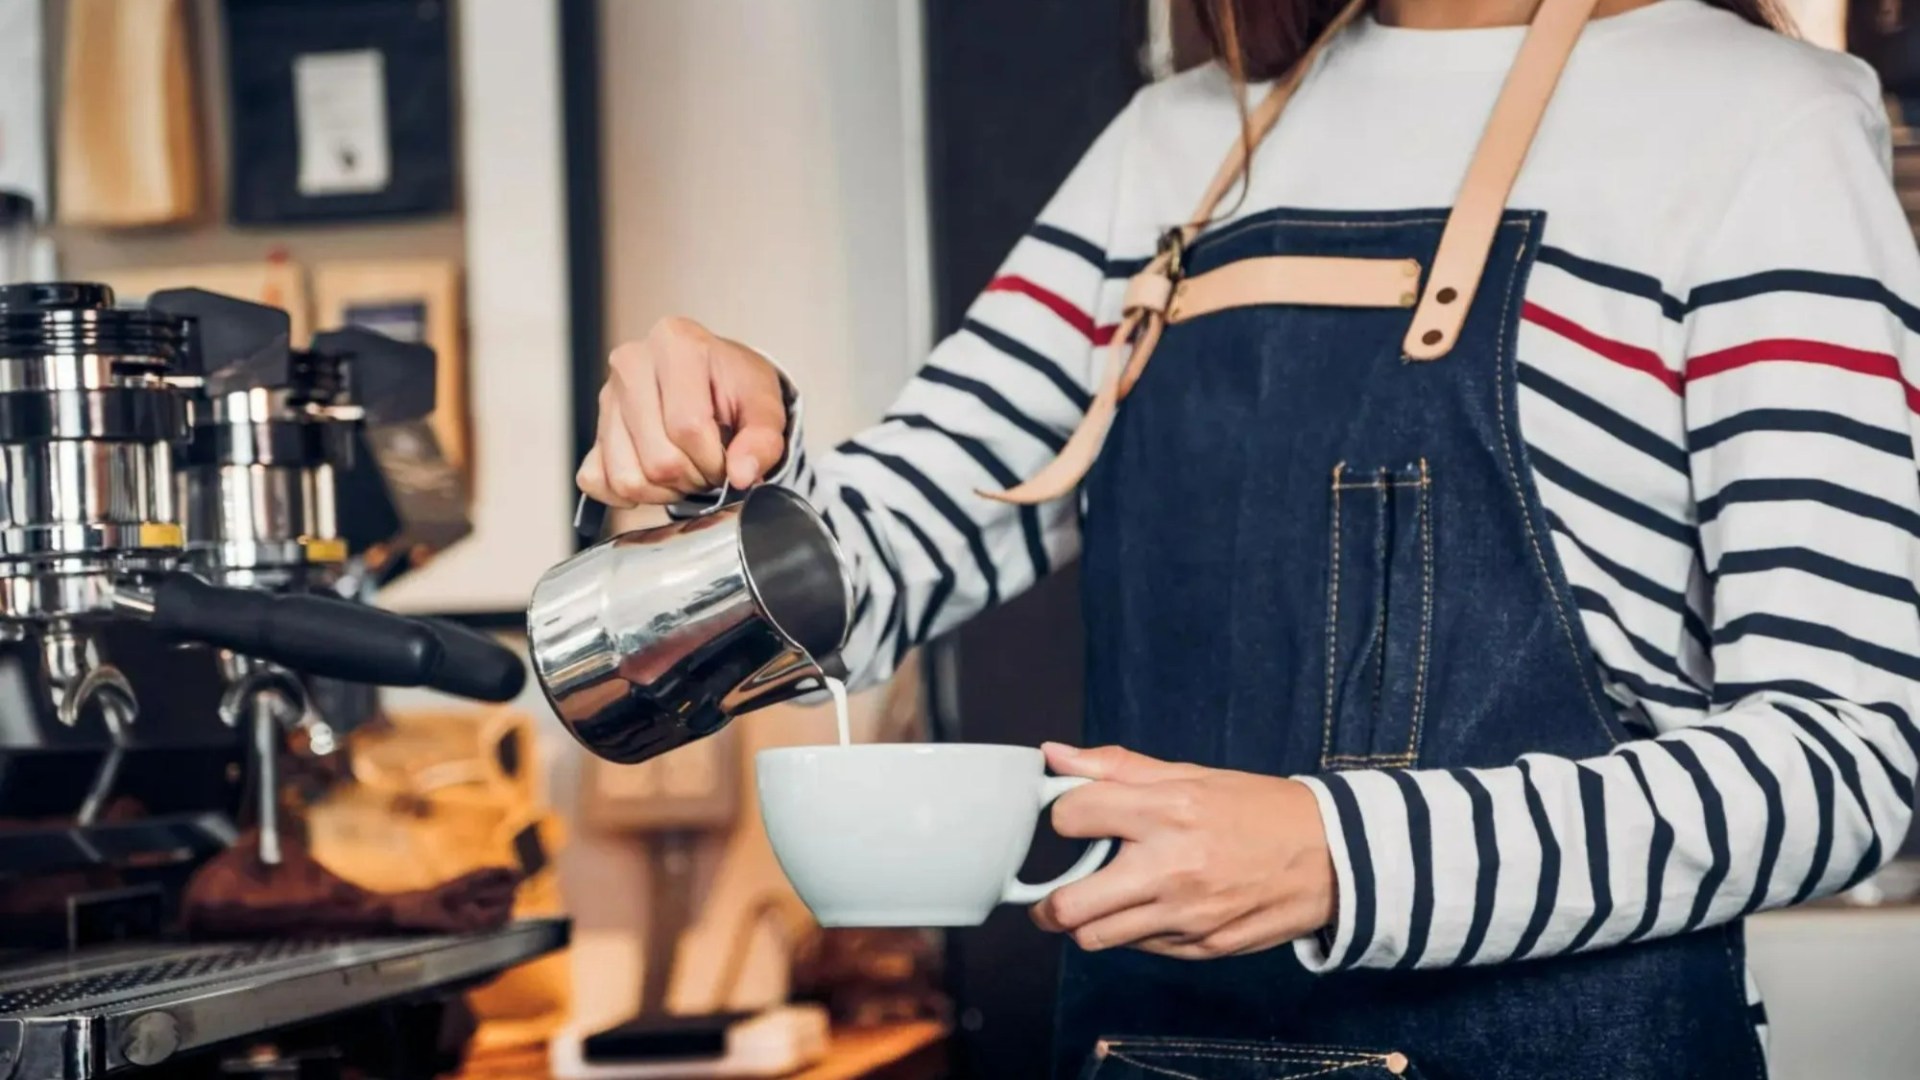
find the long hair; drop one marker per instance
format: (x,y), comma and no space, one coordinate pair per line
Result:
(1257,40)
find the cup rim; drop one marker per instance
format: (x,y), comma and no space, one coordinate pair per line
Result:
(929,749)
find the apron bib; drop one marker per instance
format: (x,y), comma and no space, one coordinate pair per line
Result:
(1312,542)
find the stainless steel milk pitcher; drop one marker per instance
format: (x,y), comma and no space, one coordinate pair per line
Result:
(657,637)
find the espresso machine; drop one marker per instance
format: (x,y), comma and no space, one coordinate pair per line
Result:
(178,590)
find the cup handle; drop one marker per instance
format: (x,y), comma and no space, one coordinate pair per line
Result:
(1019,892)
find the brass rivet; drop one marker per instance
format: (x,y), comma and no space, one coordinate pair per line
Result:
(1407,299)
(1446,296)
(1431,337)
(1396,1063)
(1410,268)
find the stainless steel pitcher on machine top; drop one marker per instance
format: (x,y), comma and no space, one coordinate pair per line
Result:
(657,637)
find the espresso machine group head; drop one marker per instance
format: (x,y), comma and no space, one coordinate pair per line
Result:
(99,405)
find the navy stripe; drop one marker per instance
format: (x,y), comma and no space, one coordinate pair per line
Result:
(1776,829)
(1029,515)
(860,605)
(1360,861)
(1487,877)
(1844,286)
(1732,693)
(1645,690)
(1631,282)
(1549,864)
(1850,775)
(896,621)
(1015,349)
(1126,268)
(1420,839)
(968,529)
(1639,584)
(1588,600)
(1593,805)
(1071,244)
(1801,632)
(1806,421)
(1608,499)
(1891,586)
(1604,418)
(1823,834)
(1819,491)
(1658,850)
(1714,812)
(991,398)
(941,588)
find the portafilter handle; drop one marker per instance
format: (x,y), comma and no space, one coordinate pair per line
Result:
(473,665)
(316,635)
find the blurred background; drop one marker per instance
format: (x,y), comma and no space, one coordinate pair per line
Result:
(523,184)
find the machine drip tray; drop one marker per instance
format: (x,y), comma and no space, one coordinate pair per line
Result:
(98,1011)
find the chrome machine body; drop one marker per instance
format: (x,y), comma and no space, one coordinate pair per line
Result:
(187,510)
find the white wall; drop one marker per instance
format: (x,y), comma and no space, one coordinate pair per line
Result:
(762,175)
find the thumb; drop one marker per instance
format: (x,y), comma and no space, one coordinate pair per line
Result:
(760,433)
(1114,763)
(753,453)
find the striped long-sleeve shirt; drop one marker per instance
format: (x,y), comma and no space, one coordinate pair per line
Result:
(1717,370)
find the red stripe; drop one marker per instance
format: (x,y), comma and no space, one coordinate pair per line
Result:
(1058,304)
(1645,361)
(1797,351)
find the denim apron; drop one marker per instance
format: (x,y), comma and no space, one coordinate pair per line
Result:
(1307,548)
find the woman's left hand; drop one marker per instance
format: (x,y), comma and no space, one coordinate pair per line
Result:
(1212,862)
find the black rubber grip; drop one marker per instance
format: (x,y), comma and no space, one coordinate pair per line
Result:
(474,665)
(316,635)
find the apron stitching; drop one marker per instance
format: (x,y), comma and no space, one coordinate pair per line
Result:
(1426,611)
(1333,614)
(1118,1056)
(1330,1066)
(1384,568)
(1526,510)
(1297,1051)
(1372,759)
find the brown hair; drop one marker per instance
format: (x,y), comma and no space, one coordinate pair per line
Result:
(1258,40)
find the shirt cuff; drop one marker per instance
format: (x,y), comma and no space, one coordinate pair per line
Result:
(1318,951)
(784,474)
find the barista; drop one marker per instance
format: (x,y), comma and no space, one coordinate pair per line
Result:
(1498,579)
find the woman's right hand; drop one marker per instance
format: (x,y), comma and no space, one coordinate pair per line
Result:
(666,401)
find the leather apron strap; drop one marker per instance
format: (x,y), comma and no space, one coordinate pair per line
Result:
(1160,294)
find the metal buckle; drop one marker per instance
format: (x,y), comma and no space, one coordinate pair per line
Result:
(1173,244)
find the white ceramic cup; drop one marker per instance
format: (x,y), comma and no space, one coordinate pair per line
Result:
(902,834)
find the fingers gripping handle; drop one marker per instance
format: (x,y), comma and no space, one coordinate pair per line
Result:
(1019,892)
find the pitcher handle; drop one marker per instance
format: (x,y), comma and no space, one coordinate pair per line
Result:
(1020,892)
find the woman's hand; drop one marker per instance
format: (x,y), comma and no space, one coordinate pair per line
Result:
(662,410)
(1212,862)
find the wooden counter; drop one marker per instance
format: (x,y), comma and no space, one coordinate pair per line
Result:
(896,1052)
(915,1051)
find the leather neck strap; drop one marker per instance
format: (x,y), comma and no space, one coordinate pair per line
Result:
(1458,264)
(1468,238)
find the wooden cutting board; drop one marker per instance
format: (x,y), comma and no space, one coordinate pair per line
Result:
(129,145)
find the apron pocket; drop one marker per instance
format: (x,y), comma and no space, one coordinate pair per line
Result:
(1379,615)
(1216,1059)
